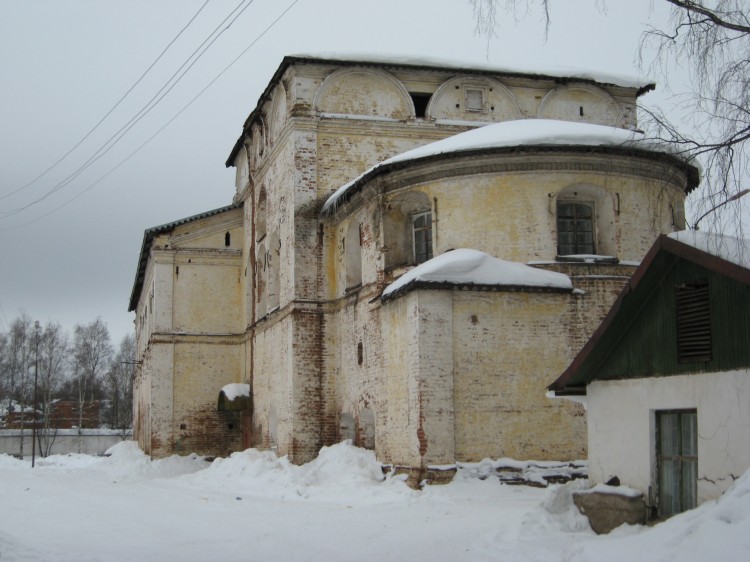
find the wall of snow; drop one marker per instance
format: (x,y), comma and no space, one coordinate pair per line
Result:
(621,427)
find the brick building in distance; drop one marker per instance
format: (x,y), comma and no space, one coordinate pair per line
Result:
(415,250)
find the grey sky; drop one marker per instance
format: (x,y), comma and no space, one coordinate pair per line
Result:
(65,64)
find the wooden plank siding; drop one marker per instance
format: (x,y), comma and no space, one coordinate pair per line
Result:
(643,340)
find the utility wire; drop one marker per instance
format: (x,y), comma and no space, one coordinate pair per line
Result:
(150,105)
(152,137)
(95,127)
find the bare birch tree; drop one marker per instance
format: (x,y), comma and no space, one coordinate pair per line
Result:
(53,359)
(120,387)
(712,39)
(92,352)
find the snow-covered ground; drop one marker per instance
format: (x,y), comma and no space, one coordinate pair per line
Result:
(255,506)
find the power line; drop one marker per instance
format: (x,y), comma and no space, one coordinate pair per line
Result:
(175,116)
(125,95)
(145,110)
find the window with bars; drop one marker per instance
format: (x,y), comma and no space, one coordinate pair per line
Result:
(422,229)
(575,228)
(693,314)
(677,460)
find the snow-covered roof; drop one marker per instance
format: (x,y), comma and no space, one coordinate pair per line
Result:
(600,76)
(729,248)
(472,267)
(522,132)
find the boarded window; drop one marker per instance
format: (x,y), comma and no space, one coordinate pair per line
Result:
(677,460)
(575,228)
(693,323)
(474,99)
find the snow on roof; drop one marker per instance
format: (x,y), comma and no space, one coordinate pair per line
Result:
(522,132)
(466,266)
(603,77)
(729,248)
(236,390)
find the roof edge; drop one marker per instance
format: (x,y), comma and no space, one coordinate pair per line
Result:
(148,236)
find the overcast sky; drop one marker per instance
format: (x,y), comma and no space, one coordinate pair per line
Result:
(72,255)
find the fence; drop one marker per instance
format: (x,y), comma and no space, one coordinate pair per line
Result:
(89,442)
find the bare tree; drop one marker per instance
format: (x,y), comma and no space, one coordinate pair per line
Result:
(18,370)
(53,359)
(712,39)
(92,352)
(120,387)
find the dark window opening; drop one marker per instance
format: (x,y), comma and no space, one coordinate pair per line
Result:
(360,353)
(420,101)
(580,111)
(422,226)
(693,314)
(575,228)
(677,460)
(227,240)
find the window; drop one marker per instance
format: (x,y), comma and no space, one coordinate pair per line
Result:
(420,104)
(474,99)
(422,228)
(693,323)
(677,460)
(575,228)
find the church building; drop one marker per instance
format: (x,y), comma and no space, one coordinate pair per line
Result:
(414,251)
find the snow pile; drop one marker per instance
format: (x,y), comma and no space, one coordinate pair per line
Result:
(508,134)
(465,266)
(340,471)
(10,462)
(729,248)
(717,530)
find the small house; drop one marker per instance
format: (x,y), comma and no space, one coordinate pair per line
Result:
(666,377)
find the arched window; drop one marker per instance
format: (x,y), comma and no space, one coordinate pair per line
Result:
(422,236)
(586,221)
(575,228)
(407,229)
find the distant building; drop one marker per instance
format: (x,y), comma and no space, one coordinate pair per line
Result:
(290,288)
(666,377)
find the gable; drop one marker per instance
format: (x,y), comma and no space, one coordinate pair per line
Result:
(639,337)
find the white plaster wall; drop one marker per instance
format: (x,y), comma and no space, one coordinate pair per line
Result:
(621,427)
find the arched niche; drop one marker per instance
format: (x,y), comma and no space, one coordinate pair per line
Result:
(366,429)
(582,103)
(261,281)
(278,115)
(473,98)
(353,254)
(242,167)
(261,215)
(258,141)
(364,92)
(347,427)
(272,267)
(397,226)
(603,209)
